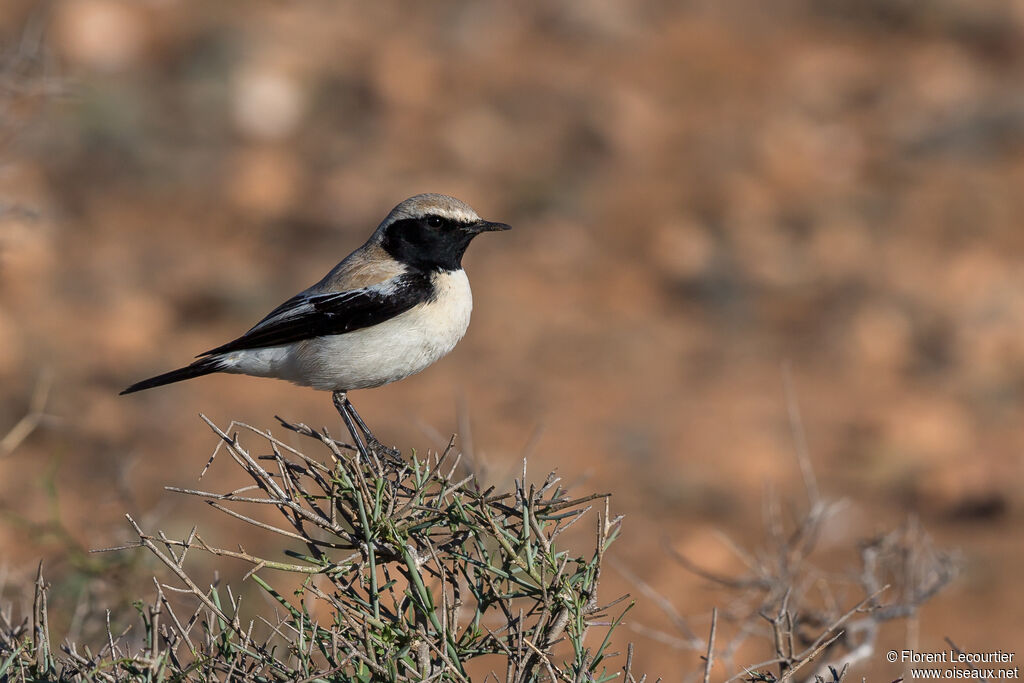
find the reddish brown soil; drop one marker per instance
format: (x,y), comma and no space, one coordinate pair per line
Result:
(701,192)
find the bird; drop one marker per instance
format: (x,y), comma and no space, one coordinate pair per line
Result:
(388,310)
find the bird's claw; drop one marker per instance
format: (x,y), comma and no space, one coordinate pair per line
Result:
(376,446)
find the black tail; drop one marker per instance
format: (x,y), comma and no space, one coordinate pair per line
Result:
(201,367)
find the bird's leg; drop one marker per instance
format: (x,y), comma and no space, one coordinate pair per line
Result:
(372,441)
(341,404)
(349,413)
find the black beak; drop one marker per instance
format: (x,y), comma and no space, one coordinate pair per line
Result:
(487,226)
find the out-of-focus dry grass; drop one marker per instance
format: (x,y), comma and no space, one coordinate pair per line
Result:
(701,191)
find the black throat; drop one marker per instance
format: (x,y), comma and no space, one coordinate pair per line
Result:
(423,247)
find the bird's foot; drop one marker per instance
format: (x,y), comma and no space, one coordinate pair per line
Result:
(374,444)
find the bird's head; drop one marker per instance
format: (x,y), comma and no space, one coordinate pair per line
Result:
(432,231)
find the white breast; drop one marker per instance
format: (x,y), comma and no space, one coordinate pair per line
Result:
(376,355)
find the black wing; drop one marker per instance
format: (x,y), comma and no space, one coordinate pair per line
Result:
(316,315)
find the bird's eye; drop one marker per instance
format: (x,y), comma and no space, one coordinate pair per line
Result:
(435,221)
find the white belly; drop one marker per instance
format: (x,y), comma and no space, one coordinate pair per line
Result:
(372,356)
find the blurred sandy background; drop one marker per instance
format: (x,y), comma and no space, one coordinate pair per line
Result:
(701,192)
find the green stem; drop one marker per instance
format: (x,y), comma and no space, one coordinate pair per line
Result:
(428,606)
